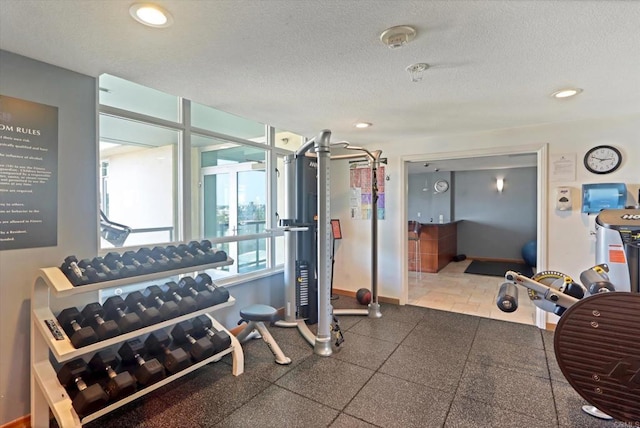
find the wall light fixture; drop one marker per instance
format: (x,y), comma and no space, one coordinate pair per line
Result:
(500,184)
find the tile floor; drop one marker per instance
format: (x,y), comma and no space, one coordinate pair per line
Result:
(455,291)
(414,367)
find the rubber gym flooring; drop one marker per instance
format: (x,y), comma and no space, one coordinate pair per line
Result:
(414,367)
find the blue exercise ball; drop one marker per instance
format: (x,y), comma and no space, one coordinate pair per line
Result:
(529,253)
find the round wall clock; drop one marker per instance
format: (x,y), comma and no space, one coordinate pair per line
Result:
(602,159)
(441,186)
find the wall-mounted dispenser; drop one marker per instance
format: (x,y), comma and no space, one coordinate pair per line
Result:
(599,196)
(563,199)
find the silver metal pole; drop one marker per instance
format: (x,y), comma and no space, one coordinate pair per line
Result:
(323,338)
(289,241)
(374,306)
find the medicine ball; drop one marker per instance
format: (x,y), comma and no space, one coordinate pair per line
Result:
(529,253)
(363,296)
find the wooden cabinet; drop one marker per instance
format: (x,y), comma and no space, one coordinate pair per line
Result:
(437,246)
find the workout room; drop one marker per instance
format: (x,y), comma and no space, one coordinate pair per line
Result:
(319,214)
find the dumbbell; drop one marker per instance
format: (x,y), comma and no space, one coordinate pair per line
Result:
(112,260)
(119,384)
(158,253)
(183,251)
(71,320)
(114,307)
(196,249)
(204,282)
(185,304)
(135,302)
(73,271)
(171,251)
(99,264)
(203,298)
(89,398)
(220,339)
(148,372)
(91,272)
(201,349)
(219,255)
(197,259)
(93,315)
(174,360)
(130,258)
(168,309)
(144,256)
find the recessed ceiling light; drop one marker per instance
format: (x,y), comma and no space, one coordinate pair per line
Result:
(151,15)
(566,93)
(362,125)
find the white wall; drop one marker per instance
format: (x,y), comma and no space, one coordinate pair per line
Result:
(571,249)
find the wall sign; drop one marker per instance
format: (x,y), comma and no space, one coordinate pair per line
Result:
(28,174)
(361,197)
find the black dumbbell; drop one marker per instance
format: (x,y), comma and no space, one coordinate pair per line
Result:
(201,349)
(159,254)
(131,258)
(99,264)
(91,272)
(171,251)
(93,315)
(155,297)
(73,271)
(114,307)
(203,298)
(174,360)
(185,304)
(120,384)
(144,256)
(196,249)
(219,255)
(220,339)
(199,258)
(71,321)
(135,302)
(147,372)
(89,398)
(112,259)
(204,282)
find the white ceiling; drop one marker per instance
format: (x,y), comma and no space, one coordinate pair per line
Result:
(305,65)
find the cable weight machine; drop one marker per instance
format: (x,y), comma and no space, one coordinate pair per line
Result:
(308,239)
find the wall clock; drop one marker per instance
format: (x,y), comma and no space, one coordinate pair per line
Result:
(602,159)
(441,186)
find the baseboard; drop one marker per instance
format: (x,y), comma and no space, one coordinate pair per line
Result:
(551,326)
(382,299)
(23,422)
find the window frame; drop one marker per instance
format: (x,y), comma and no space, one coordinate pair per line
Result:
(187,222)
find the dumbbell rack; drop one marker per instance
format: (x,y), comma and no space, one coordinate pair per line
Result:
(46,391)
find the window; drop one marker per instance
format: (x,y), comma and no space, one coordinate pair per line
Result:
(233,196)
(139,191)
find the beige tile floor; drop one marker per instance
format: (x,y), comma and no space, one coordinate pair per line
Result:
(455,291)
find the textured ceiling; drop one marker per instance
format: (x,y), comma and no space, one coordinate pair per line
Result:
(305,65)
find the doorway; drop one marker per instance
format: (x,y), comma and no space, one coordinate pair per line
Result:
(453,273)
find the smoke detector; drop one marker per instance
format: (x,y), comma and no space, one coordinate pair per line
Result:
(396,37)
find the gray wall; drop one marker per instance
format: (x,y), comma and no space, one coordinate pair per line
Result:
(75,96)
(424,204)
(496,225)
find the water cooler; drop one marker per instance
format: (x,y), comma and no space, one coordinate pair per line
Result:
(618,245)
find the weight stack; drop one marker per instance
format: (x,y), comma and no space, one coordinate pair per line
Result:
(306,294)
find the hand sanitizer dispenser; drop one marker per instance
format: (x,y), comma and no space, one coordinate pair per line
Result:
(563,199)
